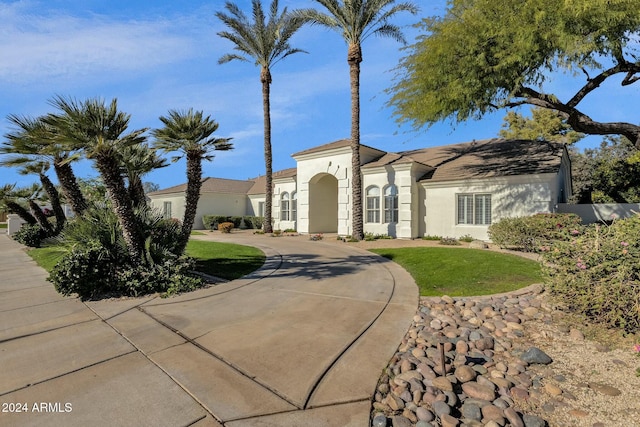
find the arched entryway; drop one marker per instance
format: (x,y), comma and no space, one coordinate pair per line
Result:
(323,204)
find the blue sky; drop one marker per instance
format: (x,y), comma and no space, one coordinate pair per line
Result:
(158,55)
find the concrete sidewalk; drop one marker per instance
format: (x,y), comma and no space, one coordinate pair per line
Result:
(300,342)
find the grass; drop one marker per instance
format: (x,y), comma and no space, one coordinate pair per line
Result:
(3,225)
(464,272)
(226,260)
(48,256)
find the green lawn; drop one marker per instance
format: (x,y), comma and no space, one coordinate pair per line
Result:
(3,225)
(226,260)
(464,272)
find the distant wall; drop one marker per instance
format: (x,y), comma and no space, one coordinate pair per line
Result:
(600,212)
(14,222)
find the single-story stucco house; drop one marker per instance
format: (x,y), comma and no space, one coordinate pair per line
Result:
(450,191)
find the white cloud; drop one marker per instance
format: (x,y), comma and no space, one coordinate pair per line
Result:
(58,47)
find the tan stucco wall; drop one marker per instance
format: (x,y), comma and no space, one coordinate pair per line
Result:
(209,204)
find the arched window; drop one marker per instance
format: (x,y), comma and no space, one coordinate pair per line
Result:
(373,204)
(391,204)
(294,206)
(284,207)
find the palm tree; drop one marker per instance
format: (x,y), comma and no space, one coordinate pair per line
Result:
(191,133)
(9,198)
(356,20)
(265,43)
(40,168)
(98,129)
(137,161)
(36,140)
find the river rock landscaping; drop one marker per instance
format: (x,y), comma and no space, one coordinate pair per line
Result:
(507,362)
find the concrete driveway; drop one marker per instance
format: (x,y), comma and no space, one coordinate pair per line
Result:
(300,342)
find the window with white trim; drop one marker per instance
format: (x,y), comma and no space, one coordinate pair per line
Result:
(294,206)
(284,207)
(373,204)
(391,204)
(166,210)
(474,209)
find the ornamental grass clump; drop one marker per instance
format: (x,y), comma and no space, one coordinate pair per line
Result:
(597,273)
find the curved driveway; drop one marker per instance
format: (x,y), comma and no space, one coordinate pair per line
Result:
(302,341)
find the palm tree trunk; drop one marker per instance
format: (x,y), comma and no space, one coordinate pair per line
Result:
(21,212)
(41,218)
(54,198)
(109,169)
(354,58)
(70,187)
(265,78)
(136,192)
(192,195)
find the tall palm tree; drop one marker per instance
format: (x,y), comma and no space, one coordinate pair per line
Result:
(190,133)
(98,128)
(356,20)
(40,168)
(37,140)
(264,41)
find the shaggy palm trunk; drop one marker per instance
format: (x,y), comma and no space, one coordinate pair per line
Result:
(136,192)
(265,78)
(109,169)
(192,195)
(41,218)
(54,198)
(70,187)
(354,58)
(21,212)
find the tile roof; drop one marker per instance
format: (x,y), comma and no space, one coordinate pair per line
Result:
(212,185)
(260,183)
(489,158)
(330,146)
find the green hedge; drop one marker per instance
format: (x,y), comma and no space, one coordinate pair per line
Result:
(211,222)
(534,233)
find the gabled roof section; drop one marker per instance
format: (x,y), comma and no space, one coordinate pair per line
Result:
(331,146)
(489,158)
(212,185)
(260,183)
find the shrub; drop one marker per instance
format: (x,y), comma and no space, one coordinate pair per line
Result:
(85,270)
(276,233)
(466,238)
(30,235)
(429,237)
(211,221)
(225,227)
(534,233)
(597,273)
(449,241)
(254,222)
(316,237)
(236,220)
(369,237)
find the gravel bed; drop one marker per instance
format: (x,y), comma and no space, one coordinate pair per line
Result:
(507,362)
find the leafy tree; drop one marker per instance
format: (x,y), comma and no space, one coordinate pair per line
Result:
(190,133)
(98,129)
(543,125)
(265,41)
(483,55)
(355,21)
(36,140)
(615,171)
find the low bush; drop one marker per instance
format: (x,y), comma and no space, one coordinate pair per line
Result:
(91,272)
(211,221)
(369,237)
(449,241)
(429,237)
(534,233)
(226,227)
(30,235)
(597,273)
(466,238)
